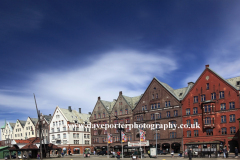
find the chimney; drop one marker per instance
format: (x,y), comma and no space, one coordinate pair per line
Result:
(207,66)
(69,109)
(99,98)
(50,115)
(89,113)
(190,83)
(79,110)
(120,93)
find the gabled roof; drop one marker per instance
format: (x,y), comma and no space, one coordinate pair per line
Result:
(12,125)
(108,105)
(74,115)
(22,123)
(48,118)
(179,94)
(132,101)
(34,120)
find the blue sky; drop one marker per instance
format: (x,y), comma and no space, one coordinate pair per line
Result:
(70,52)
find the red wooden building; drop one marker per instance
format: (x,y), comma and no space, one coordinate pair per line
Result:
(213,103)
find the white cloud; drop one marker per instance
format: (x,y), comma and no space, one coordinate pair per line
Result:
(105,76)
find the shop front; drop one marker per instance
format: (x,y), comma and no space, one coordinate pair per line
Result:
(204,149)
(166,147)
(176,147)
(76,150)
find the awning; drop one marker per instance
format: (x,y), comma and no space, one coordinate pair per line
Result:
(209,142)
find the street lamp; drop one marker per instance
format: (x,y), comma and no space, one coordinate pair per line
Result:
(120,129)
(156,131)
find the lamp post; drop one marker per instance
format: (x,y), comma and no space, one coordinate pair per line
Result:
(156,131)
(120,129)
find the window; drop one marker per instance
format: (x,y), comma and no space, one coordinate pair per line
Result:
(207,108)
(145,107)
(155,105)
(56,123)
(85,136)
(64,136)
(203,97)
(115,112)
(231,105)
(223,106)
(58,129)
(127,120)
(172,134)
(223,119)
(224,130)
(153,96)
(167,104)
(152,106)
(156,96)
(213,96)
(195,121)
(207,120)
(195,110)
(104,115)
(173,124)
(188,111)
(64,128)
(74,135)
(196,133)
(62,122)
(168,114)
(232,118)
(175,113)
(188,122)
(238,83)
(188,133)
(126,111)
(120,112)
(209,132)
(158,136)
(95,116)
(52,130)
(152,116)
(59,123)
(221,94)
(232,130)
(195,99)
(53,137)
(53,123)
(158,116)
(207,86)
(99,115)
(158,105)
(64,141)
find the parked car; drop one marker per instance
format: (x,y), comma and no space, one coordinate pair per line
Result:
(102,153)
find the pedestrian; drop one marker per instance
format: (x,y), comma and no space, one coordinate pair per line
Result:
(118,154)
(227,153)
(94,152)
(236,152)
(172,153)
(149,153)
(38,156)
(190,154)
(224,152)
(62,154)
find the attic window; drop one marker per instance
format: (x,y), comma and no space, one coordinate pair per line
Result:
(75,121)
(180,94)
(154,88)
(238,83)
(85,122)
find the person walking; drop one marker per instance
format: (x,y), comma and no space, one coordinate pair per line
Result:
(190,154)
(224,152)
(118,154)
(38,156)
(172,153)
(236,152)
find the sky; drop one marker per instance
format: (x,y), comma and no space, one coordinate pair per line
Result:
(70,52)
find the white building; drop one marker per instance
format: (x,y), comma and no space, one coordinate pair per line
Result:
(65,130)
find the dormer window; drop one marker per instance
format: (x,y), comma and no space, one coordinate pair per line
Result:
(75,121)
(238,83)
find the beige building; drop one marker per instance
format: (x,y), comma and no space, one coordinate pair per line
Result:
(29,128)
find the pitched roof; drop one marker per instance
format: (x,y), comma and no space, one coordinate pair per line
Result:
(179,94)
(48,118)
(34,120)
(30,146)
(22,141)
(12,125)
(74,115)
(233,82)
(108,105)
(22,122)
(132,101)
